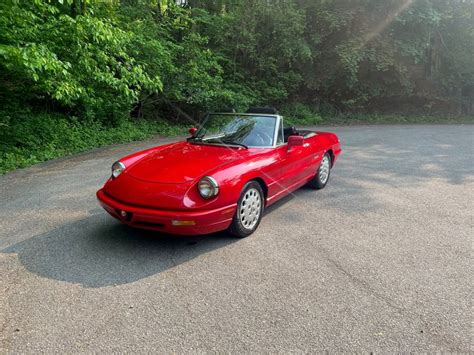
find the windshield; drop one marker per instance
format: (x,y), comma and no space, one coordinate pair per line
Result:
(234,129)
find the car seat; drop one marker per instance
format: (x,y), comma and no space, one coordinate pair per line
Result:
(289,131)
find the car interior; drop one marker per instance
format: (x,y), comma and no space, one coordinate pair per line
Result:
(287,131)
(292,131)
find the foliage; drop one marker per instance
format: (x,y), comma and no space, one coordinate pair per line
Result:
(102,59)
(79,62)
(300,115)
(108,66)
(37,137)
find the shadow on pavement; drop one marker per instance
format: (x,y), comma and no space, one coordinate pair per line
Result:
(98,251)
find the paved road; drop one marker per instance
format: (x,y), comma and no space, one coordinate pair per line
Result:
(380,260)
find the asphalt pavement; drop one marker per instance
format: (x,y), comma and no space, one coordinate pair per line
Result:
(380,260)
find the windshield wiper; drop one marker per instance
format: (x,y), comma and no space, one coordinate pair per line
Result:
(201,140)
(196,139)
(235,143)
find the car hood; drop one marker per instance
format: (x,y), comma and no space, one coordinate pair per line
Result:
(182,162)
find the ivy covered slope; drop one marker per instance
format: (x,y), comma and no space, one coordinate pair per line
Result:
(76,74)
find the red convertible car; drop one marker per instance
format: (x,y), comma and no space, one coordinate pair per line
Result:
(221,178)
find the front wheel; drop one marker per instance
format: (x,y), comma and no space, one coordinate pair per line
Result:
(322,175)
(249,210)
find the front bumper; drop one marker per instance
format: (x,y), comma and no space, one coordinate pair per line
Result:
(205,222)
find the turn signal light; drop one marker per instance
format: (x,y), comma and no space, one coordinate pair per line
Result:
(183,223)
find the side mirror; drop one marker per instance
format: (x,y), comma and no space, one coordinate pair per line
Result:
(294,141)
(192,131)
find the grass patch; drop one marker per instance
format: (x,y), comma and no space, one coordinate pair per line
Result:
(359,119)
(40,137)
(302,115)
(33,138)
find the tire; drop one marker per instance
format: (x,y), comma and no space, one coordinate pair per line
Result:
(249,210)
(322,175)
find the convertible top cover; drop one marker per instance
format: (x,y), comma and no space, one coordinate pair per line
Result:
(263,110)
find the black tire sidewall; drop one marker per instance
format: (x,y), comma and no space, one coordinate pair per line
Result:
(316,182)
(236,228)
(329,172)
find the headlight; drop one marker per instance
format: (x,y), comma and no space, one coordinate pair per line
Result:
(208,187)
(117,168)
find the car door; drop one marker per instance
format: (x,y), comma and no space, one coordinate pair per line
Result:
(274,172)
(295,165)
(291,161)
(289,166)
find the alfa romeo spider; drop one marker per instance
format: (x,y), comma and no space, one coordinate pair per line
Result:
(232,167)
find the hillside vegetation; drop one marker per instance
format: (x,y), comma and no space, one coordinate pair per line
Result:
(75,74)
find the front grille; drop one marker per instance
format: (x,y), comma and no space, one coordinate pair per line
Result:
(149,224)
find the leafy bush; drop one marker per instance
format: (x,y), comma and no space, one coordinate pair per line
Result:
(39,137)
(74,72)
(300,115)
(82,62)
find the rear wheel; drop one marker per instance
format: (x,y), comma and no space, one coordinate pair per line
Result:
(249,210)
(322,175)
